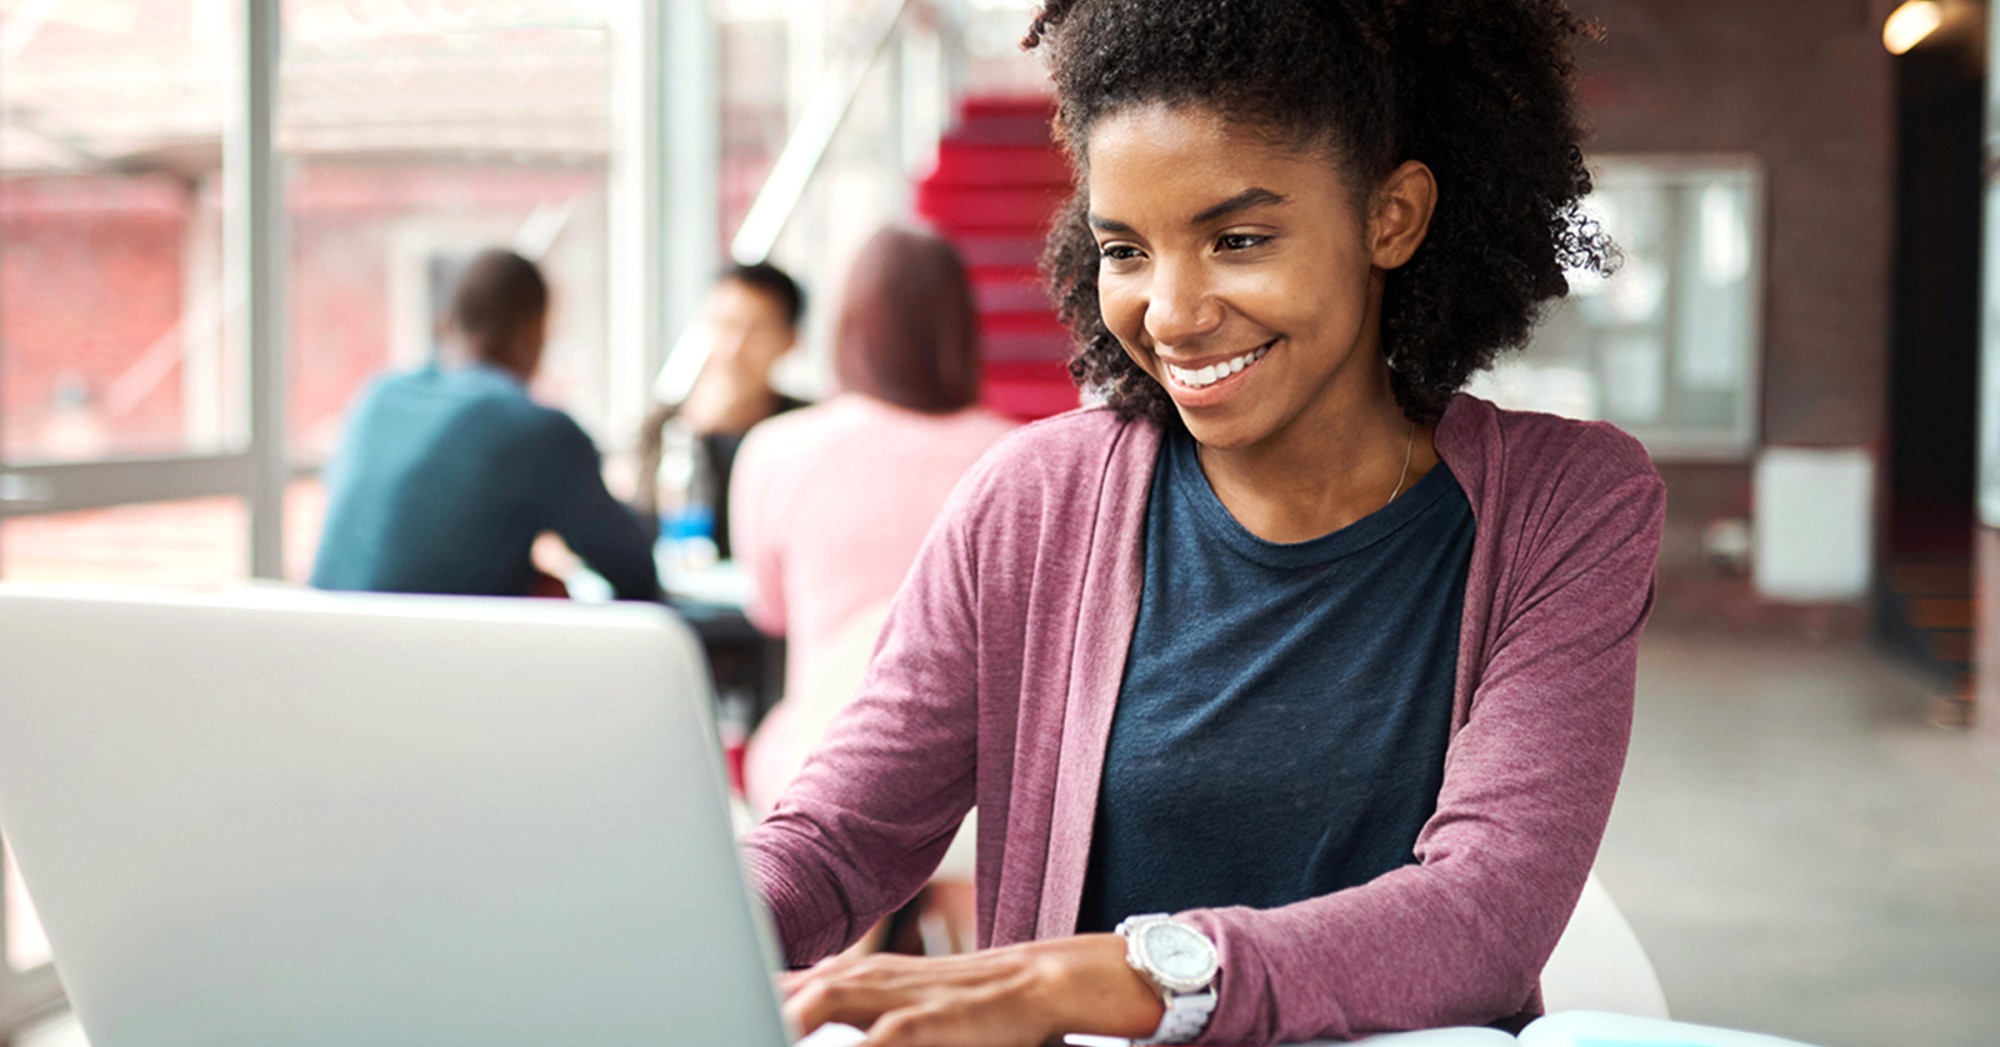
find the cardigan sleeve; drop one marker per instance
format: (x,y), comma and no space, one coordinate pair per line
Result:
(865,823)
(1460,936)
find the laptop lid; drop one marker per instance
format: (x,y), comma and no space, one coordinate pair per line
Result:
(318,820)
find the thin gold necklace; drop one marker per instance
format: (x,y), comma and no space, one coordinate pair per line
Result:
(1409,446)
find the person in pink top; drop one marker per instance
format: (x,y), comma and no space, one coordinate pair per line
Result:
(1291,685)
(832,501)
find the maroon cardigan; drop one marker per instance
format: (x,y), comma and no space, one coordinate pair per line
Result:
(996,674)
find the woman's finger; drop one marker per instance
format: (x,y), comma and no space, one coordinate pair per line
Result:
(887,970)
(963,1018)
(911,1027)
(850,1001)
(841,965)
(982,1000)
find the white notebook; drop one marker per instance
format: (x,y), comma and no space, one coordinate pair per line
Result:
(1568,1029)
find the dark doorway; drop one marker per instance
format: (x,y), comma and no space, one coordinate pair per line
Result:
(1925,599)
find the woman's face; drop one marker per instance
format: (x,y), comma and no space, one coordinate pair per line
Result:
(1238,273)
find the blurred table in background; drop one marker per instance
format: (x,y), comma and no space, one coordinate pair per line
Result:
(748,667)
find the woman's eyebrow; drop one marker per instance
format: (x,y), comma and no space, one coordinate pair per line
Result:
(1253,197)
(1257,196)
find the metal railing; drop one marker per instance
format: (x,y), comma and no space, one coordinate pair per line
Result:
(833,96)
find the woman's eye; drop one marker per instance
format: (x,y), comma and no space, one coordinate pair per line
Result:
(1241,241)
(1118,252)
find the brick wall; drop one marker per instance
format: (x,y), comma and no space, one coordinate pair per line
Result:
(1804,86)
(94,274)
(90,280)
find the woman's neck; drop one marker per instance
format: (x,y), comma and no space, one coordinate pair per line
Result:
(1323,472)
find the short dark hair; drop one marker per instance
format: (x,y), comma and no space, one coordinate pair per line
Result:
(499,293)
(908,331)
(1477,90)
(771,280)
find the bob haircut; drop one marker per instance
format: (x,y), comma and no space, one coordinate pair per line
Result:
(908,333)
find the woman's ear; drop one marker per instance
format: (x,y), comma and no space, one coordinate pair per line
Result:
(1401,214)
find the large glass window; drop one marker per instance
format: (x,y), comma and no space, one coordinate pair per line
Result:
(414,137)
(116,324)
(780,63)
(413,141)
(135,344)
(112,306)
(756,77)
(1667,347)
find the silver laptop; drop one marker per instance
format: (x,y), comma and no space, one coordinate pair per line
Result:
(303,819)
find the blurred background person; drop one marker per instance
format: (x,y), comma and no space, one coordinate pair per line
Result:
(832,501)
(447,474)
(752,315)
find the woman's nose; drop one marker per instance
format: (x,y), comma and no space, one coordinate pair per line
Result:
(1181,306)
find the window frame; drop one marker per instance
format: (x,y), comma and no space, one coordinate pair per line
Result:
(1668,442)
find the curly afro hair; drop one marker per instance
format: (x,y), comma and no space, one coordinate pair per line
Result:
(1478,90)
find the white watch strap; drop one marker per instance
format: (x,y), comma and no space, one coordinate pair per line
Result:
(1187,1015)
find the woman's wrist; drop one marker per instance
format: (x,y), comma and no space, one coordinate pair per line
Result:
(1089,987)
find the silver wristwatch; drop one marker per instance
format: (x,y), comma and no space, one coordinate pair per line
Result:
(1181,963)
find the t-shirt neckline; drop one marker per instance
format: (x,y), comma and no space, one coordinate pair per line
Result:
(1181,469)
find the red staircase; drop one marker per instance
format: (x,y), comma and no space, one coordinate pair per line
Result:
(999,180)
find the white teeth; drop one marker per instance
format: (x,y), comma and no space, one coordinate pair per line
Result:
(1214,372)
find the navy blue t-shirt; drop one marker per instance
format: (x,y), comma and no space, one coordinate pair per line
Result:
(1281,729)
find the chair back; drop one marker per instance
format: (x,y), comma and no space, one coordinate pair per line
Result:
(1599,965)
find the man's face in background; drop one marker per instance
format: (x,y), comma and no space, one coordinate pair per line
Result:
(750,331)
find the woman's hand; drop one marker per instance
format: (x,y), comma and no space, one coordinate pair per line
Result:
(1015,996)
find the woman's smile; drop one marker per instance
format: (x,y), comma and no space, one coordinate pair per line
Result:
(1212,380)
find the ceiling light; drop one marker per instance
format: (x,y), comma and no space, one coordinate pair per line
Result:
(1910,23)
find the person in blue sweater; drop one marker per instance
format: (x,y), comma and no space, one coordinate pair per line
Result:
(447,474)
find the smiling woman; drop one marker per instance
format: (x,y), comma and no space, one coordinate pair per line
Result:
(1255,313)
(1293,685)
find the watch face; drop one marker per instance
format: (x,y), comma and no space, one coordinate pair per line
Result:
(1179,952)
